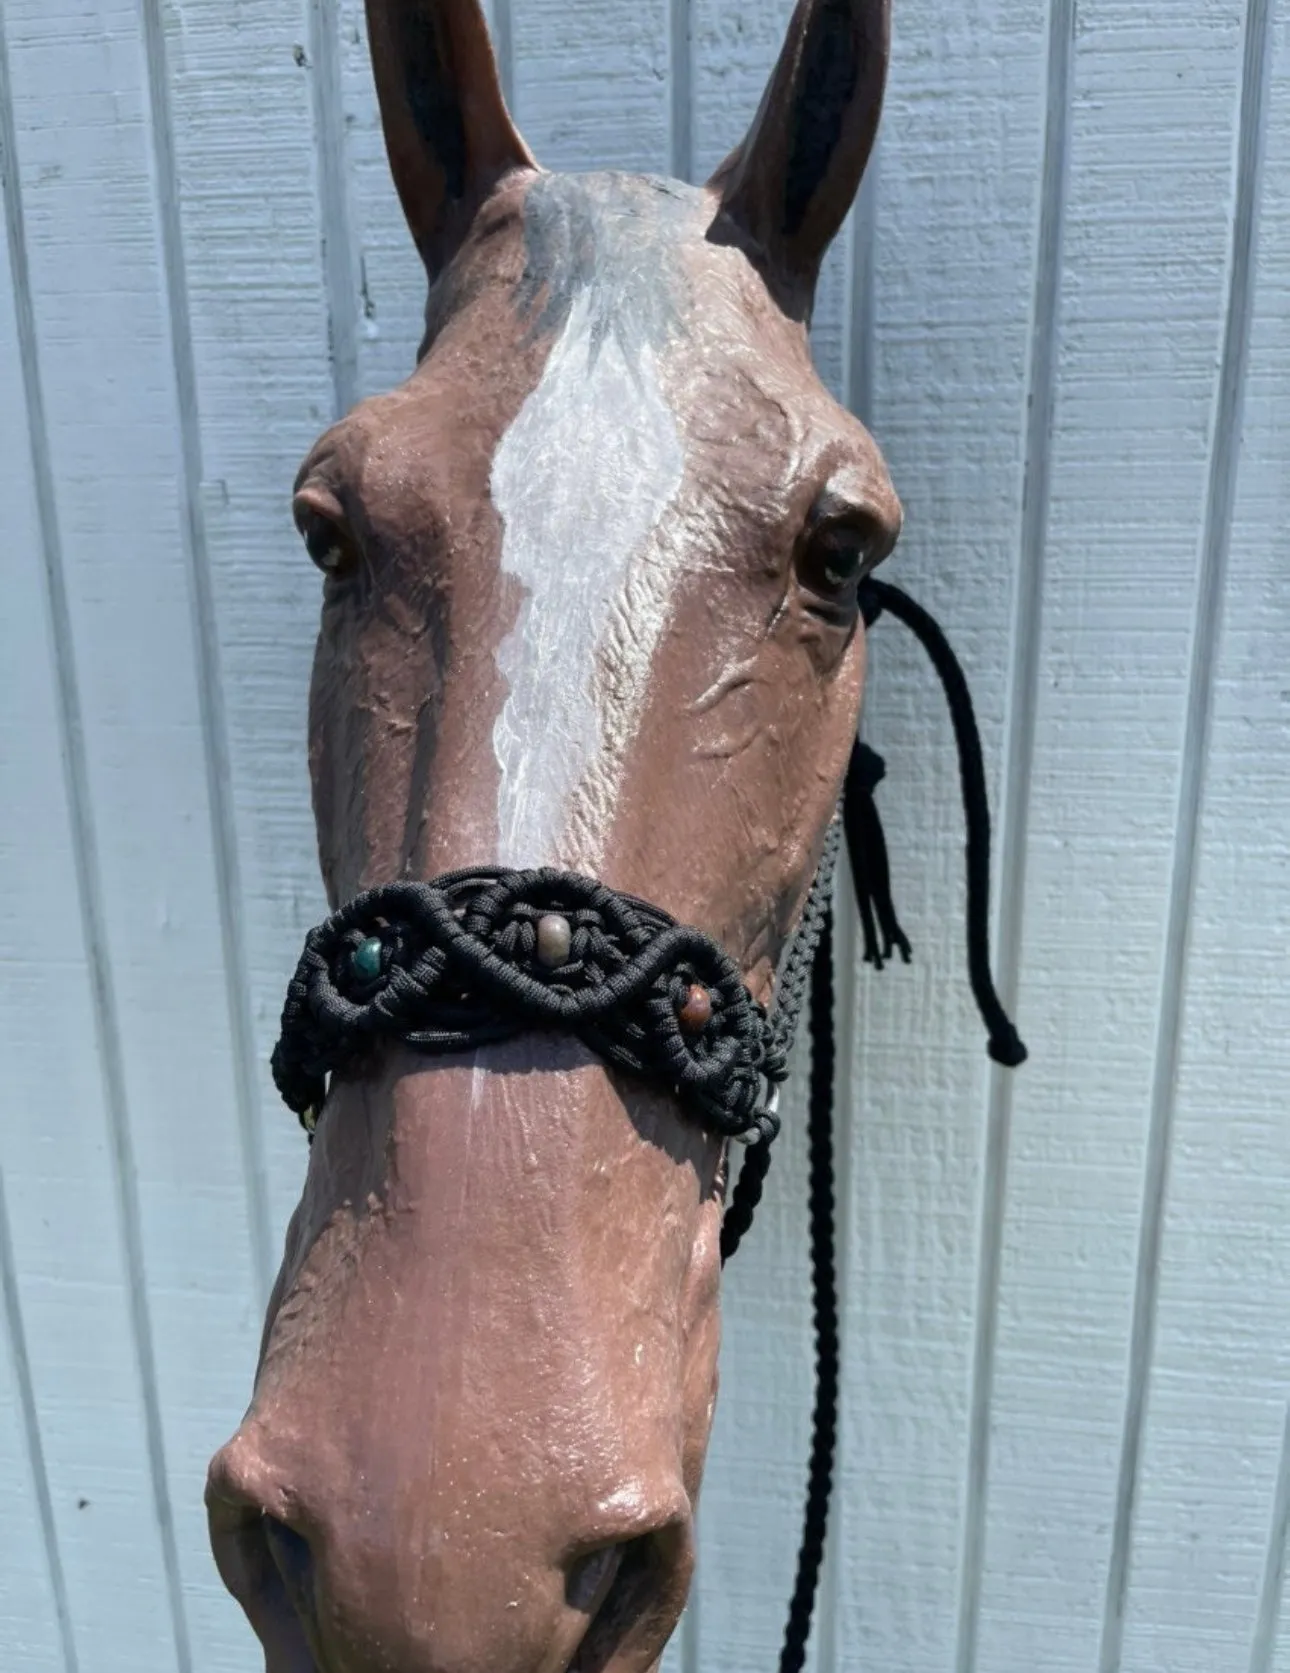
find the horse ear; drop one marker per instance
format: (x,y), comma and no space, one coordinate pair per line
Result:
(448,133)
(787,188)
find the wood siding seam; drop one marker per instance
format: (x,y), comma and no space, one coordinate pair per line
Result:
(209,679)
(86,862)
(1225,443)
(12,1303)
(689,1631)
(333,204)
(504,46)
(859,325)
(681,72)
(1264,1646)
(1018,769)
(858,338)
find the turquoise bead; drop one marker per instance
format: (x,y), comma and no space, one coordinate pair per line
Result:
(366,959)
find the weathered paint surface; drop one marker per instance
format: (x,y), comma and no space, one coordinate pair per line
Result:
(1064,305)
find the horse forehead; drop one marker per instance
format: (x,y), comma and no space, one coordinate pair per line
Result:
(582,479)
(634,262)
(623,255)
(616,241)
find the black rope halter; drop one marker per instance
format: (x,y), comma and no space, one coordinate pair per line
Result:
(482,955)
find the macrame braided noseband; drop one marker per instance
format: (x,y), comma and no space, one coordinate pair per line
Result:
(455,964)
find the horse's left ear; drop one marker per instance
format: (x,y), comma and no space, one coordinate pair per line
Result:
(448,133)
(786,190)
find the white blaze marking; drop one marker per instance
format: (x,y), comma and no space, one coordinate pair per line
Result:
(581,481)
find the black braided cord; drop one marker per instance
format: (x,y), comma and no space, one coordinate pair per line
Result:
(1004,1043)
(824,1297)
(458,968)
(871,873)
(791,985)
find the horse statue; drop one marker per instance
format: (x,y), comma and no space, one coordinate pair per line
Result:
(591,602)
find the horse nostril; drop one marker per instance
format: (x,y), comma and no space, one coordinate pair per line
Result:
(265,1564)
(294,1562)
(635,1592)
(591,1577)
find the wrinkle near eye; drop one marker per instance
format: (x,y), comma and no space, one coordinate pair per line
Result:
(731,679)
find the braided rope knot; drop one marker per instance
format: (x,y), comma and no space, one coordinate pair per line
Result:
(455,964)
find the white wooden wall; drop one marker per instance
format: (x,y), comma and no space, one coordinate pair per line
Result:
(1064,306)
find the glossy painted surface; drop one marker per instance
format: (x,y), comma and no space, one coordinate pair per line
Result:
(1066,1347)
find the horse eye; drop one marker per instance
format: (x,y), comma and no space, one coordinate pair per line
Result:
(324,547)
(326,540)
(842,564)
(834,558)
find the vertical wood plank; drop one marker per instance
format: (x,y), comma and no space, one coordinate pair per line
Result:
(501,28)
(275,356)
(35,1616)
(591,83)
(211,709)
(94,150)
(35,1622)
(67,1284)
(680,74)
(955,223)
(1018,773)
(1140,330)
(242,105)
(345,317)
(391,279)
(1202,1582)
(1271,1636)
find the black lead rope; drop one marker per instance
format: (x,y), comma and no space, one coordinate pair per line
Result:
(482,955)
(824,1301)
(871,873)
(1004,1044)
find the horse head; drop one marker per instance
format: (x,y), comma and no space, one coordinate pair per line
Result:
(589,601)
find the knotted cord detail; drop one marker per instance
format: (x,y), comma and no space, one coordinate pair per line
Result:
(870,867)
(457,966)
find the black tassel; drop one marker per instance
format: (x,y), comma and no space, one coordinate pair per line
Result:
(870,868)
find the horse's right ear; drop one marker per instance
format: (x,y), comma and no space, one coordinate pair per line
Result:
(448,133)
